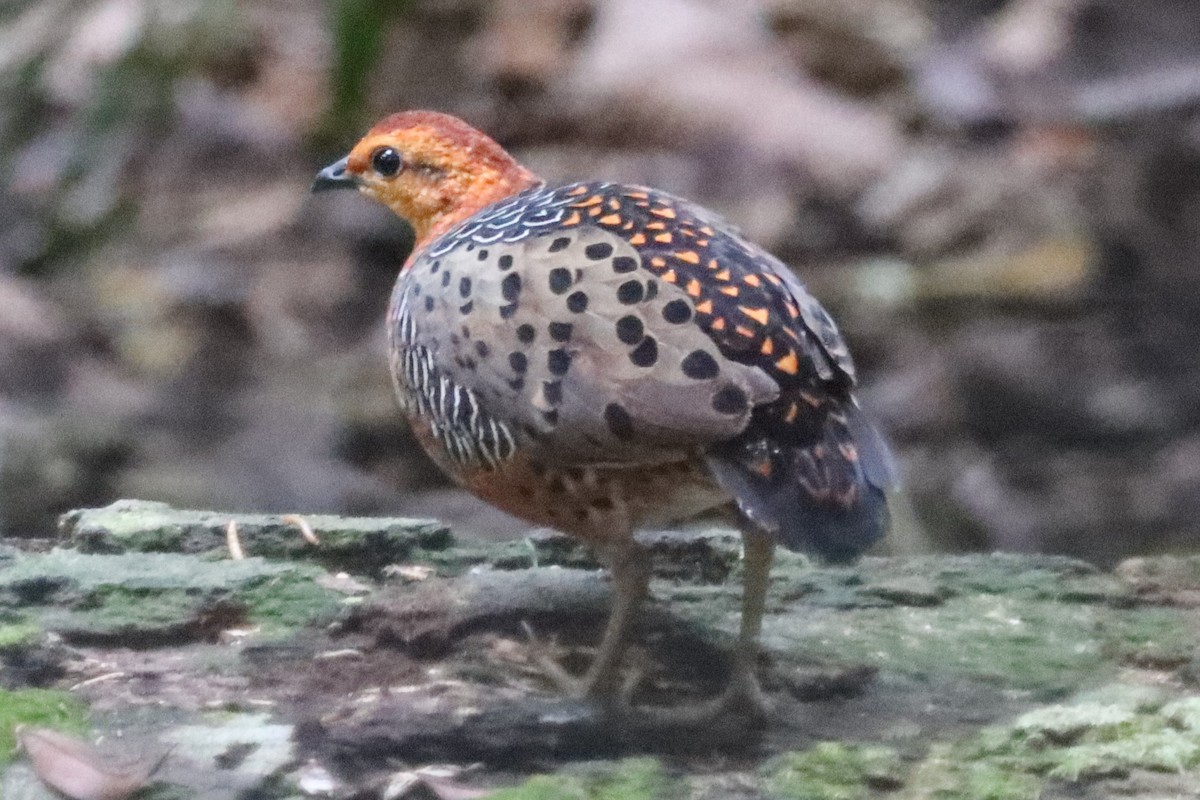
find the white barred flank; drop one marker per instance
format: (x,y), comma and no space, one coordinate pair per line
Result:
(471,437)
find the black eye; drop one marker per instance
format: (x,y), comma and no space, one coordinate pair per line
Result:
(386,161)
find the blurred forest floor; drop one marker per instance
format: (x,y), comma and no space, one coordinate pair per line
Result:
(1000,202)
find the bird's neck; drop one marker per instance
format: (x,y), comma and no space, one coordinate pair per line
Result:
(459,195)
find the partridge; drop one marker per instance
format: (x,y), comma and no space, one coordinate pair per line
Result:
(600,357)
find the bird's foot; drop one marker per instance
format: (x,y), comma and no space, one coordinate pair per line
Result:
(549,667)
(601,683)
(742,700)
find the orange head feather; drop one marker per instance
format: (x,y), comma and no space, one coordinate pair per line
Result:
(431,169)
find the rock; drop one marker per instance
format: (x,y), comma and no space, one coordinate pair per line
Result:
(958,676)
(364,544)
(158,599)
(20,782)
(228,755)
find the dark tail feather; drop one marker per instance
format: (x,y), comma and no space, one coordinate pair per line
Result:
(827,499)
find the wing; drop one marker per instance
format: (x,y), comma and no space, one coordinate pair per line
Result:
(756,299)
(619,324)
(576,349)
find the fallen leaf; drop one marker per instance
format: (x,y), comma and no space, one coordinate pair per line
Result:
(76,769)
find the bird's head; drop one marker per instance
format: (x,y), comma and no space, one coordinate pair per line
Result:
(431,169)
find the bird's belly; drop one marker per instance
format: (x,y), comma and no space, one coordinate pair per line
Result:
(598,504)
(595,503)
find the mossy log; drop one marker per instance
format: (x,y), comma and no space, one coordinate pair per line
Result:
(999,676)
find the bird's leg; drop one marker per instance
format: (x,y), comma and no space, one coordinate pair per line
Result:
(759,552)
(742,695)
(630,569)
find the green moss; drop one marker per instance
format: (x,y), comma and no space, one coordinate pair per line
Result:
(532,551)
(995,639)
(151,598)
(939,577)
(38,708)
(1112,731)
(544,787)
(946,775)
(985,781)
(140,526)
(277,603)
(1041,624)
(832,771)
(354,544)
(1045,577)
(1184,712)
(1151,637)
(18,634)
(147,538)
(286,602)
(1155,748)
(36,579)
(114,609)
(466,555)
(629,779)
(1090,739)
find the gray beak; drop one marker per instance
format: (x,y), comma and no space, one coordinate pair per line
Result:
(334,177)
